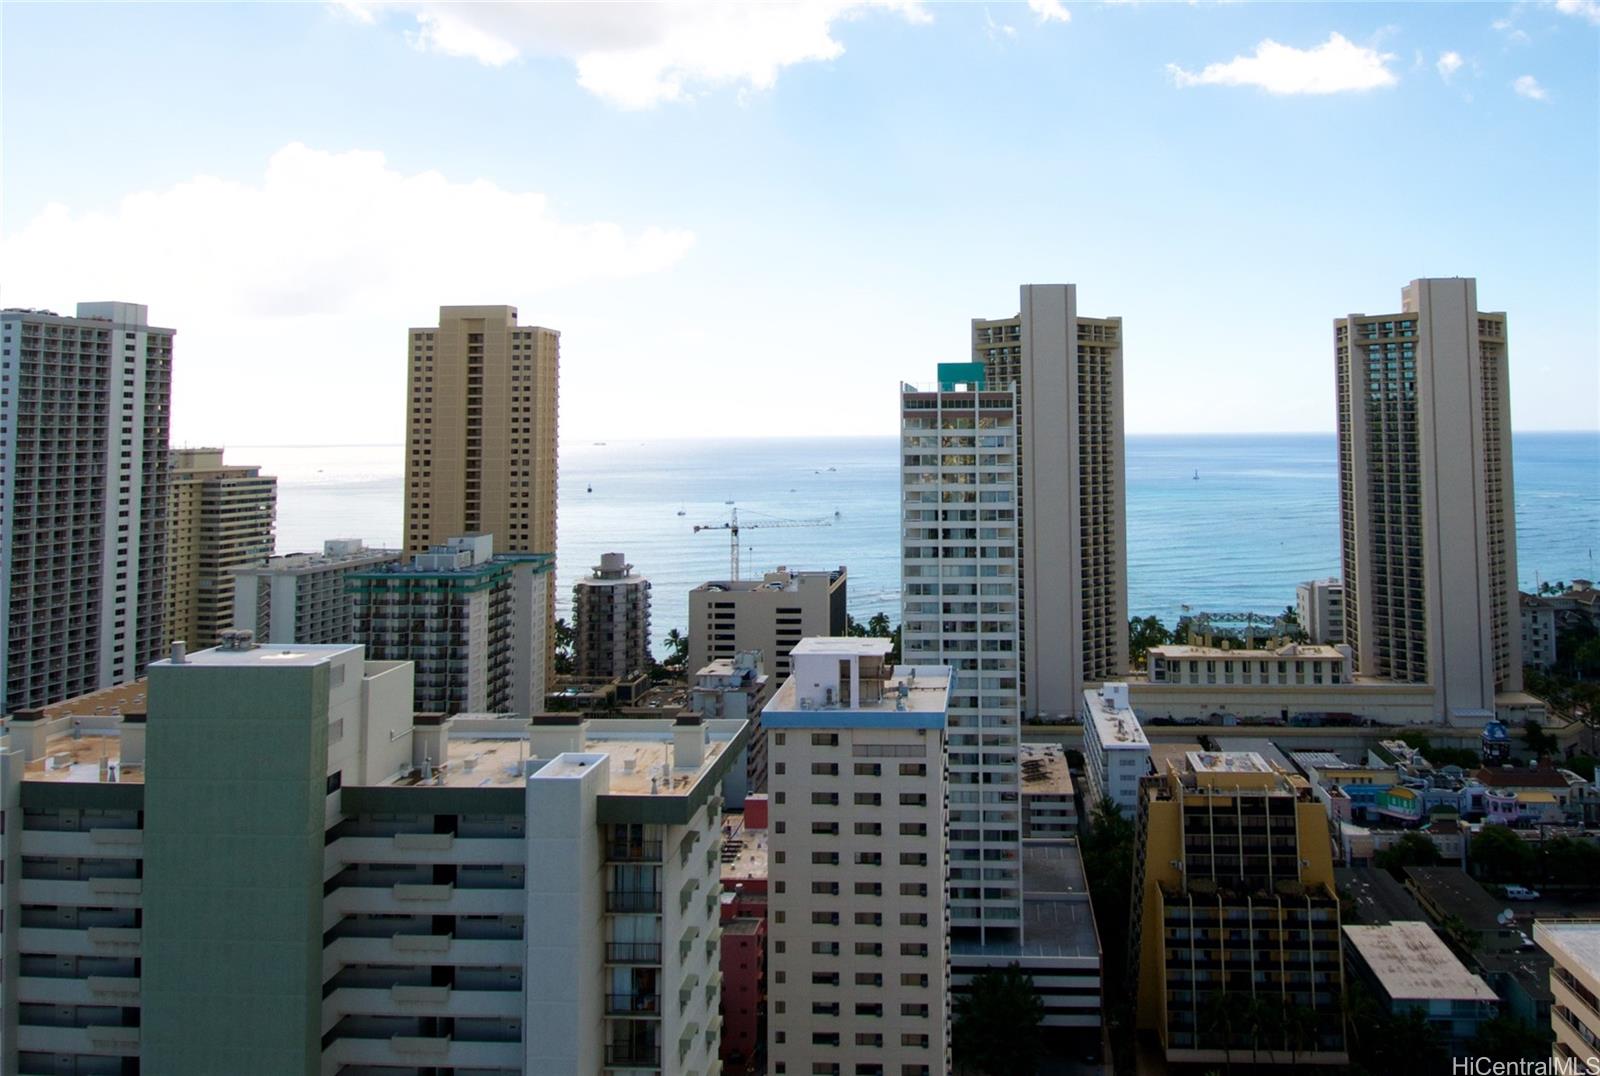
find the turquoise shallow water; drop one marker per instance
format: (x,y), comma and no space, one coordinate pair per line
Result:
(1262,516)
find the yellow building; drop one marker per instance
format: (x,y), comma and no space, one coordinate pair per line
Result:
(1235,932)
(219,517)
(481,435)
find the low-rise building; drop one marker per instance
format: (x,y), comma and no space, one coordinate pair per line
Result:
(1295,664)
(1409,969)
(1538,631)
(1116,753)
(1049,807)
(770,614)
(737,687)
(303,597)
(1574,948)
(1531,795)
(1319,606)
(859,929)
(744,935)
(472,621)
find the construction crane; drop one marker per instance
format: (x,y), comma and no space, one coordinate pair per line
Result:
(732,526)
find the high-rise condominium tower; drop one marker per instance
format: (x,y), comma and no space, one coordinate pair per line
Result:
(481,442)
(1066,374)
(83,499)
(1425,496)
(959,608)
(220,517)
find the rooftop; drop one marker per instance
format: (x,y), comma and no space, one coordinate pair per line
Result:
(308,563)
(1044,770)
(1306,651)
(635,758)
(1573,942)
(1056,916)
(265,656)
(111,700)
(1378,898)
(843,646)
(1413,964)
(783,579)
(72,759)
(927,688)
(1227,762)
(744,851)
(1117,725)
(1456,893)
(1522,777)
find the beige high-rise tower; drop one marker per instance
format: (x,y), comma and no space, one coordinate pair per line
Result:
(1072,559)
(219,518)
(481,440)
(1425,496)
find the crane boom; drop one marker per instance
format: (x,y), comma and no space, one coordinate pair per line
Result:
(733,526)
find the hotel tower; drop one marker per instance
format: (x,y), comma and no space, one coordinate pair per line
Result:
(1425,495)
(481,436)
(83,499)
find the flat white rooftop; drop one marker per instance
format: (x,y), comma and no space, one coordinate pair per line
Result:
(1575,943)
(1413,964)
(927,688)
(843,646)
(1117,727)
(265,656)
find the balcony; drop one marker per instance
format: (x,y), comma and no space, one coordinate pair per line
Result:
(633,1055)
(633,952)
(633,901)
(633,1004)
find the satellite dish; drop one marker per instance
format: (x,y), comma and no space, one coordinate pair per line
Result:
(1505,917)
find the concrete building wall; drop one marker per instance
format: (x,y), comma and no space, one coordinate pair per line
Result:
(86,606)
(232,951)
(302,597)
(1428,529)
(770,615)
(1319,605)
(221,518)
(481,440)
(1067,373)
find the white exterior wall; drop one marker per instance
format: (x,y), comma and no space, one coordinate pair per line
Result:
(1112,767)
(1319,603)
(565,912)
(959,608)
(871,925)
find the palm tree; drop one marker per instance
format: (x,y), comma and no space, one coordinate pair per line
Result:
(1300,1023)
(677,648)
(1264,1021)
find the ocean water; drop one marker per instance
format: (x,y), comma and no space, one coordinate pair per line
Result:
(1262,515)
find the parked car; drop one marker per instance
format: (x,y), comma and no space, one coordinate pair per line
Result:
(1518,892)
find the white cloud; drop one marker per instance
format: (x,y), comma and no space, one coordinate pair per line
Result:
(1528,86)
(1049,10)
(636,55)
(996,29)
(1335,66)
(1449,63)
(1508,28)
(292,290)
(1588,10)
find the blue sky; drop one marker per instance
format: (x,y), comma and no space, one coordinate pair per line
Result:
(758,220)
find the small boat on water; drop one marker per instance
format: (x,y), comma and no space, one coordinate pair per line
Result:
(1197,476)
(727,502)
(833,468)
(681,512)
(589,490)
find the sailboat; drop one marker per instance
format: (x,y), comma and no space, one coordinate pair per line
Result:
(1197,476)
